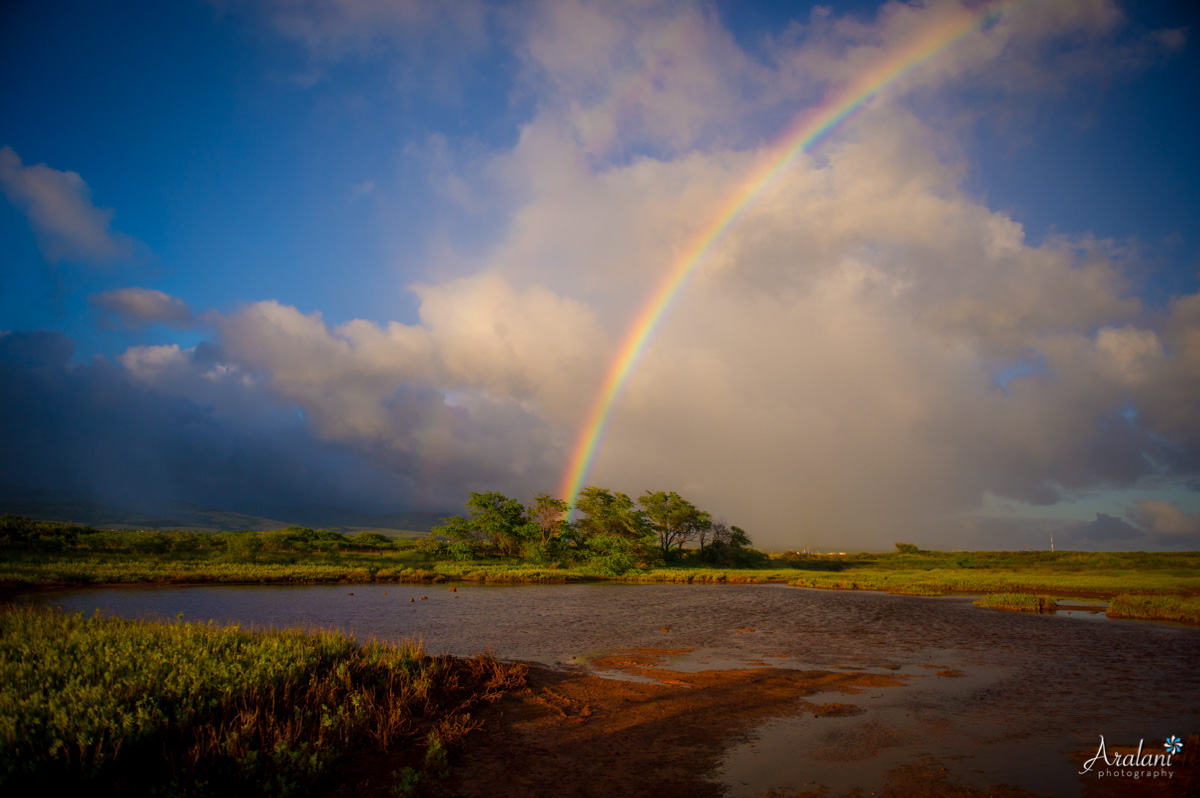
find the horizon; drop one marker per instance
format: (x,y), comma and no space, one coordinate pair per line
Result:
(373,256)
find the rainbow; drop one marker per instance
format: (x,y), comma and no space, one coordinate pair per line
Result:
(809,130)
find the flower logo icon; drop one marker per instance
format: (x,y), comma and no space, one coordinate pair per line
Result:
(1173,744)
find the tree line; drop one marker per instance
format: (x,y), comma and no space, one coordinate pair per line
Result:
(610,530)
(23,534)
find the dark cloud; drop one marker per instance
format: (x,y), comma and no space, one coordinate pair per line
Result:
(1109,528)
(94,428)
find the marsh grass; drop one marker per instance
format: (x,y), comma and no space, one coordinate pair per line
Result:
(34,554)
(1083,574)
(1018,602)
(117,706)
(1160,608)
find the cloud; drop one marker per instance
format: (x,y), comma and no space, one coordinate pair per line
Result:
(662,77)
(649,74)
(1167,523)
(60,211)
(426,46)
(831,373)
(1108,528)
(137,307)
(164,423)
(92,428)
(332,29)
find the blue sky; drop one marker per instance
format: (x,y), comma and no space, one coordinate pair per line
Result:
(247,166)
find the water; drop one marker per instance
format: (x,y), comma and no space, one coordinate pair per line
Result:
(1026,690)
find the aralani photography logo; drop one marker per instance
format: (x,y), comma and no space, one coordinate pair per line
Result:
(1131,764)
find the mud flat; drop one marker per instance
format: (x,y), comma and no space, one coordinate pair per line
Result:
(646,729)
(655,732)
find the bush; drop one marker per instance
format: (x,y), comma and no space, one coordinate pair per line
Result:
(907,548)
(430,547)
(465,550)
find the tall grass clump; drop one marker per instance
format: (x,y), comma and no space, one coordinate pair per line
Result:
(131,707)
(1159,608)
(1017,602)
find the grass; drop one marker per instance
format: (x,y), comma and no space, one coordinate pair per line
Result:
(1159,608)
(131,707)
(1081,574)
(1065,573)
(1018,602)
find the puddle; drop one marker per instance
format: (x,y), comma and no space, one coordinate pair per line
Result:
(929,717)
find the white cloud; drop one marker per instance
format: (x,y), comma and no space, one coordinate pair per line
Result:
(137,307)
(147,362)
(59,207)
(472,393)
(829,374)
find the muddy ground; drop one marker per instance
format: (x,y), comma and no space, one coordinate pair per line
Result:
(571,734)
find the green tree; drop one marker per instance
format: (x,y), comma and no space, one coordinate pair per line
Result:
(613,532)
(673,519)
(609,514)
(549,515)
(493,519)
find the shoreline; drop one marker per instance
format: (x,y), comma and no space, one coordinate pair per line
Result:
(9,588)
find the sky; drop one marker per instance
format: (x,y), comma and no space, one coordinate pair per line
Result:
(263,255)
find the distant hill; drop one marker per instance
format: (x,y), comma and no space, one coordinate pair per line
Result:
(89,510)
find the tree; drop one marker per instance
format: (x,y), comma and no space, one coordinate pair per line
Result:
(549,515)
(674,519)
(494,518)
(730,545)
(608,513)
(613,531)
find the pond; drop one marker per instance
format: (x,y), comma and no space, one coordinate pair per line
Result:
(1004,697)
